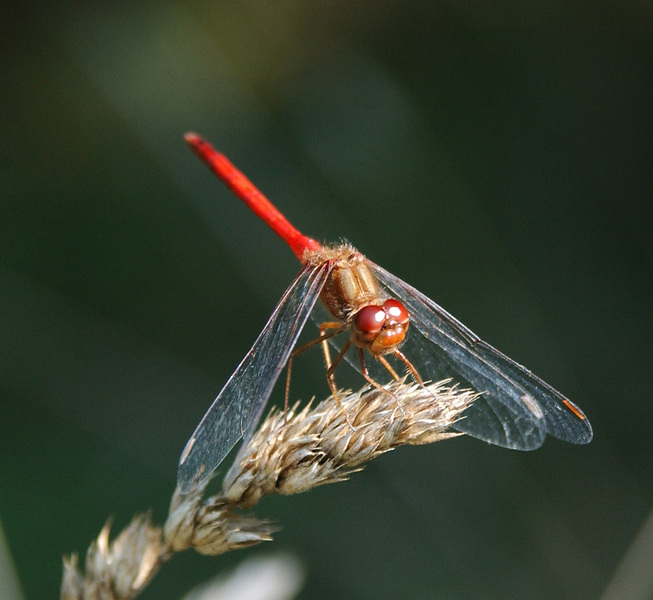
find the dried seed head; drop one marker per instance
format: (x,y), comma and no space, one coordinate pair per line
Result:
(210,526)
(318,446)
(116,570)
(72,583)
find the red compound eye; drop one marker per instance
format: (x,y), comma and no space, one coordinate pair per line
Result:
(369,320)
(396,310)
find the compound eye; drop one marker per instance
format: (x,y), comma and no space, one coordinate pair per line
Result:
(369,320)
(396,310)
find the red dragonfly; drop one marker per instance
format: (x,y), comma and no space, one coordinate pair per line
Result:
(381,314)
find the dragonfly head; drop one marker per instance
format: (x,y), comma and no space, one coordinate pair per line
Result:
(381,329)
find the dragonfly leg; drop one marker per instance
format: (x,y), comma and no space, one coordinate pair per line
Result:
(332,383)
(336,328)
(388,366)
(410,366)
(378,386)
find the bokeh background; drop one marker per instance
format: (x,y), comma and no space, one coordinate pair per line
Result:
(496,157)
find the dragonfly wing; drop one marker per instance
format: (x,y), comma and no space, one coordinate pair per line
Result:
(239,405)
(516,409)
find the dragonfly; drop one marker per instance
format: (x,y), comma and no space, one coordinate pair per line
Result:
(369,311)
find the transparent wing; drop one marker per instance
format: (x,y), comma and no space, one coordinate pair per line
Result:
(516,409)
(238,407)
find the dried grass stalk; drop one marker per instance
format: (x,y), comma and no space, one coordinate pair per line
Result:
(312,447)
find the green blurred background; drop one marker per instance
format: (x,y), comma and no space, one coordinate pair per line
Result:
(496,157)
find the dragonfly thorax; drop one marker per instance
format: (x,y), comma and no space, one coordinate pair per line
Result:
(353,296)
(350,284)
